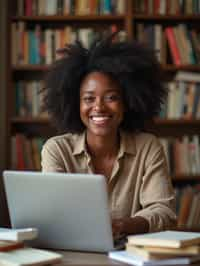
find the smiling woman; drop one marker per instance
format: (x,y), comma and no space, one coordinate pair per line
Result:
(100,99)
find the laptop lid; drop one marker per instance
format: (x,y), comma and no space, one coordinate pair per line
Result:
(70,210)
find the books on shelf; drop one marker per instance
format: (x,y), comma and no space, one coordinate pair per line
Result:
(188,207)
(163,7)
(68,7)
(183,154)
(38,45)
(26,152)
(184,97)
(172,239)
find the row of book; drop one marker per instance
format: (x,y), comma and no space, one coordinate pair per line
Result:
(69,7)
(160,248)
(178,44)
(183,155)
(183,99)
(28,98)
(26,152)
(39,46)
(187,206)
(167,7)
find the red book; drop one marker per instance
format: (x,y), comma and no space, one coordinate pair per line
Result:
(19,152)
(28,7)
(10,245)
(173,46)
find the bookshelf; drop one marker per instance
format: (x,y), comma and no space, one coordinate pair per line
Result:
(135,19)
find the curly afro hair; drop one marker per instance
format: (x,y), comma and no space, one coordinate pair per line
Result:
(133,65)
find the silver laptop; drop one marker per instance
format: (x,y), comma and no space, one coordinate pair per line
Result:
(69,210)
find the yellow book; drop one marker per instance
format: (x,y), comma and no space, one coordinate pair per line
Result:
(161,253)
(171,239)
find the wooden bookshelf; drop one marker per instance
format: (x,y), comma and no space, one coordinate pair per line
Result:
(128,22)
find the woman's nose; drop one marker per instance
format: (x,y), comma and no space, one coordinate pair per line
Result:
(99,104)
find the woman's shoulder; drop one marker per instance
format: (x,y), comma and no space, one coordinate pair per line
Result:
(143,140)
(63,140)
(142,137)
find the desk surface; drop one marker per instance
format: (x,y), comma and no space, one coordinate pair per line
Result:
(91,259)
(86,259)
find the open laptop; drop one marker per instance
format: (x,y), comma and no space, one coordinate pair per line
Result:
(69,210)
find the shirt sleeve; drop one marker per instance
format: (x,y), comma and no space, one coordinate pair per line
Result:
(51,160)
(157,196)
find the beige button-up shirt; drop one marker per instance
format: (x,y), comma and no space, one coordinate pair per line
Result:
(139,184)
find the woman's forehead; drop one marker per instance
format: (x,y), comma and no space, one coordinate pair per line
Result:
(97,79)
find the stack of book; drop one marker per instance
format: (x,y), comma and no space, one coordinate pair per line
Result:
(15,252)
(160,248)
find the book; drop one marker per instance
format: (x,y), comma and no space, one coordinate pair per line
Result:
(6,245)
(173,239)
(28,256)
(175,53)
(159,252)
(126,257)
(18,234)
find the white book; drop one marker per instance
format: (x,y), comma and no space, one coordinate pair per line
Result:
(28,256)
(126,257)
(187,76)
(173,239)
(18,234)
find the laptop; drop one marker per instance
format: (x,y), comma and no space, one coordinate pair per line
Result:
(70,211)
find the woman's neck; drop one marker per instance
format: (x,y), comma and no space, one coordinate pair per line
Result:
(100,146)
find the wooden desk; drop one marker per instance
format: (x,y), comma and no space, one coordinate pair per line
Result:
(87,259)
(91,259)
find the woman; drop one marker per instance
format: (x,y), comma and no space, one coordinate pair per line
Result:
(100,98)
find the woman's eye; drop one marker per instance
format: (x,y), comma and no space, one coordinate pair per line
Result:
(88,99)
(110,98)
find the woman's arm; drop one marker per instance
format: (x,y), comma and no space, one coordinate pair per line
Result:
(156,197)
(127,226)
(51,160)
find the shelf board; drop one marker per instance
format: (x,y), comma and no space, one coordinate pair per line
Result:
(147,17)
(63,18)
(30,68)
(182,177)
(157,121)
(30,120)
(176,122)
(169,68)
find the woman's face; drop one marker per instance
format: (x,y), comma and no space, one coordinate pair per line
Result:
(101,104)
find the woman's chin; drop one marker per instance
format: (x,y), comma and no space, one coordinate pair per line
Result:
(101,132)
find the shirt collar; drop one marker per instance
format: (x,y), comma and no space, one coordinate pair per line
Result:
(80,144)
(127,144)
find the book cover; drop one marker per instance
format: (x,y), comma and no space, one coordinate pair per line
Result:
(157,252)
(174,239)
(10,245)
(124,256)
(28,256)
(173,46)
(18,234)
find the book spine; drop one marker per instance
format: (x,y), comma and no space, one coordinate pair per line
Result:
(173,46)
